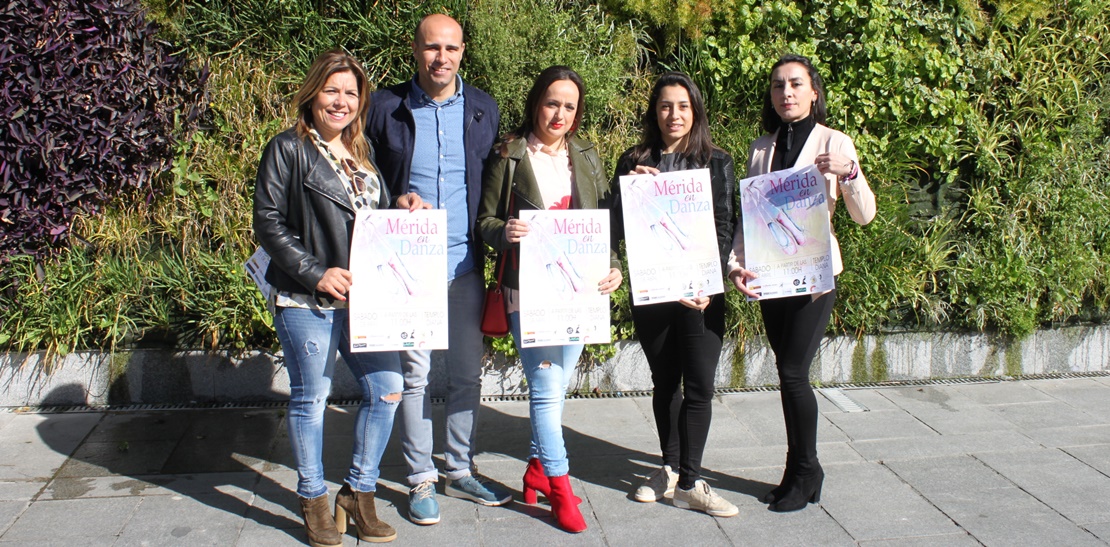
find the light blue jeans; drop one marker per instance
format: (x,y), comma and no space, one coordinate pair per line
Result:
(310,340)
(465,295)
(548,370)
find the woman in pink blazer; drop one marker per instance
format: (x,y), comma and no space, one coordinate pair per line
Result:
(794,114)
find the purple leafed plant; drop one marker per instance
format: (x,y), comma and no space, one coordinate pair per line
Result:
(90,101)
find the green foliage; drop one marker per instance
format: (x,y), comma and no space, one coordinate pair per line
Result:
(975,123)
(288,34)
(505,58)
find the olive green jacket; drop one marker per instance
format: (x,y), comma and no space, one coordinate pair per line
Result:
(591,191)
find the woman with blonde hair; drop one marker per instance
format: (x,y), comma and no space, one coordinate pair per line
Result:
(312,179)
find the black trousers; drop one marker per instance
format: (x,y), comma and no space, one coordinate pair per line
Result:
(682,346)
(795,327)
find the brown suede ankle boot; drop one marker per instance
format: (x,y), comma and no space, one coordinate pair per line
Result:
(318,524)
(359,507)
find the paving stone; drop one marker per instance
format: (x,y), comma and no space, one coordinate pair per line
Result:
(1085,394)
(1002,393)
(206,483)
(930,397)
(9,510)
(81,518)
(1100,530)
(104,541)
(945,445)
(1011,517)
(1069,486)
(755,525)
(1044,415)
(871,502)
(880,424)
(102,459)
(1067,437)
(34,446)
(141,426)
(757,419)
(180,520)
(113,486)
(29,461)
(946,411)
(728,428)
(20,490)
(253,535)
(874,399)
(1096,456)
(986,504)
(582,426)
(947,540)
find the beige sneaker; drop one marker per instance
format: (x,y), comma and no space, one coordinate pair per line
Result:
(702,498)
(659,483)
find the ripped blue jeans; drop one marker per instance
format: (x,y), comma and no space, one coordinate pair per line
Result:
(310,340)
(549,371)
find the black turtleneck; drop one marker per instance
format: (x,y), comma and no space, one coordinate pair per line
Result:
(792,137)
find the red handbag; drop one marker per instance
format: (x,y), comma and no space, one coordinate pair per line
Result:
(495,322)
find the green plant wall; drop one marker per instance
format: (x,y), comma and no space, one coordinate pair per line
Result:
(984,128)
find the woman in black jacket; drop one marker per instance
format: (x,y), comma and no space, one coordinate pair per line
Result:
(682,340)
(311,180)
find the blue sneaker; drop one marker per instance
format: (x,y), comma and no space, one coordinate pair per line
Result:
(478,490)
(423,507)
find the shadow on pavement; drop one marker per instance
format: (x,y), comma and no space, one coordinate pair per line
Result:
(218,457)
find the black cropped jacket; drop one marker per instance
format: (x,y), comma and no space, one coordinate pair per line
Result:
(302,214)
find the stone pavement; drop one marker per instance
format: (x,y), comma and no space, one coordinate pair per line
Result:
(993,463)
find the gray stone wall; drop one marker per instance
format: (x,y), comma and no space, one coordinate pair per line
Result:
(152,376)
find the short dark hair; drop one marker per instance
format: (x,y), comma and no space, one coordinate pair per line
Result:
(543,81)
(771,119)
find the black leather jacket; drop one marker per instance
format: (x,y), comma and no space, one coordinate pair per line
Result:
(722,176)
(302,215)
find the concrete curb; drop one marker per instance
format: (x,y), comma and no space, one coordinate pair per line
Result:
(159,376)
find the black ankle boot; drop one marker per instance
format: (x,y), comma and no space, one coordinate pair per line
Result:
(787,477)
(802,490)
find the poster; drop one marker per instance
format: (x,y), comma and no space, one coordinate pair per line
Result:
(670,236)
(787,237)
(562,259)
(398,300)
(256,267)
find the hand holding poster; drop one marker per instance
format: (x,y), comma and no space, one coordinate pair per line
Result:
(398,299)
(562,259)
(670,236)
(787,235)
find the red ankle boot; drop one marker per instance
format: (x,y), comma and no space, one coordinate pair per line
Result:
(564,505)
(535,481)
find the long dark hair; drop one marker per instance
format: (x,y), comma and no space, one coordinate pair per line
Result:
(771,119)
(543,81)
(699,144)
(322,68)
